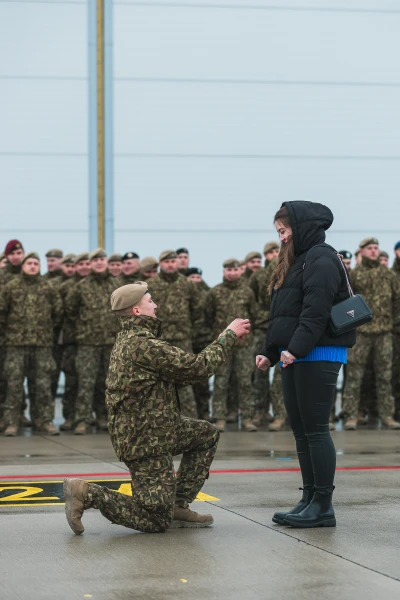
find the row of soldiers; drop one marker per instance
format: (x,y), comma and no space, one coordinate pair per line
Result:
(62,321)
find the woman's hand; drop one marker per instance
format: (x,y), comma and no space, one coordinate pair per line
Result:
(287,359)
(262,362)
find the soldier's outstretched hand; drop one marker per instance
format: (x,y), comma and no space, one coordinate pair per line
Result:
(241,327)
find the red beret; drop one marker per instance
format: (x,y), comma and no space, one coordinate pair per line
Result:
(13,245)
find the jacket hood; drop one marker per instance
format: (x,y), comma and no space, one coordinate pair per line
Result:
(309,221)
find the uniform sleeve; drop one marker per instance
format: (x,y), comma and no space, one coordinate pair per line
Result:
(57,313)
(209,309)
(72,302)
(182,367)
(321,282)
(4,306)
(196,312)
(396,303)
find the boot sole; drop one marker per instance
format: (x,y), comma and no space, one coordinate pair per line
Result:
(278,521)
(189,524)
(68,506)
(326,523)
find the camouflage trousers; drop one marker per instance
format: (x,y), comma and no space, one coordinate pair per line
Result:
(37,364)
(68,367)
(3,379)
(186,395)
(58,356)
(241,362)
(91,366)
(264,392)
(381,347)
(396,370)
(155,488)
(201,392)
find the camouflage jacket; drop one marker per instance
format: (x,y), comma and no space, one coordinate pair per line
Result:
(8,273)
(68,335)
(30,310)
(379,287)
(142,383)
(259,281)
(123,279)
(227,301)
(202,334)
(396,266)
(52,275)
(88,304)
(179,305)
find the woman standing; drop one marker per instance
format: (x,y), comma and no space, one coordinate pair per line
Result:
(308,280)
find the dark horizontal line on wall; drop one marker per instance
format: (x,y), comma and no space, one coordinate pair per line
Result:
(43,77)
(264,231)
(55,2)
(21,230)
(201,81)
(255,156)
(328,9)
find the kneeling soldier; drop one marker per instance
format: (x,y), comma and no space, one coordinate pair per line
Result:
(146,426)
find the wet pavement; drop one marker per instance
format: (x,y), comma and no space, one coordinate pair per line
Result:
(244,555)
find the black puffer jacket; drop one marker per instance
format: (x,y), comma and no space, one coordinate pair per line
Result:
(300,308)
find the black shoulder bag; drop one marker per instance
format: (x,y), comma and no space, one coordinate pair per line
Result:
(350,313)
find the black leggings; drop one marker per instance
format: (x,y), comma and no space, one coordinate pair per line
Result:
(309,390)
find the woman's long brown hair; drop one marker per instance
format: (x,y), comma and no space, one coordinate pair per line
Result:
(286,257)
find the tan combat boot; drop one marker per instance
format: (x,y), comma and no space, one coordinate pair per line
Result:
(67,425)
(277,425)
(80,429)
(220,425)
(75,492)
(11,431)
(184,517)
(249,426)
(350,425)
(389,423)
(50,429)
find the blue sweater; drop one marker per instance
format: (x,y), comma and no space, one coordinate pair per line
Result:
(328,353)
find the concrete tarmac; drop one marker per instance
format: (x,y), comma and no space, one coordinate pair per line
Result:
(243,556)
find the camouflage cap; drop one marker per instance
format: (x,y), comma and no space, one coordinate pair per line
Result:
(271,246)
(98,253)
(231,263)
(252,255)
(31,255)
(383,253)
(167,254)
(128,295)
(54,253)
(68,259)
(367,241)
(115,258)
(148,263)
(80,257)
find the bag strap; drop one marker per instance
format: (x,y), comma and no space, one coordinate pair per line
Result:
(340,257)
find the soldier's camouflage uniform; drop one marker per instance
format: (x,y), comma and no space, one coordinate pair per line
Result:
(127,279)
(180,310)
(381,291)
(58,281)
(396,351)
(88,305)
(224,303)
(147,429)
(30,309)
(201,338)
(8,273)
(264,393)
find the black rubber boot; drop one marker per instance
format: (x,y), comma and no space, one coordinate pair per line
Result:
(308,493)
(319,513)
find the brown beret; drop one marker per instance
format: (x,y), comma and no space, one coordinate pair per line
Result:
(54,253)
(98,253)
(271,246)
(128,295)
(148,263)
(167,254)
(231,263)
(115,258)
(367,241)
(383,253)
(251,255)
(31,255)
(81,256)
(68,259)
